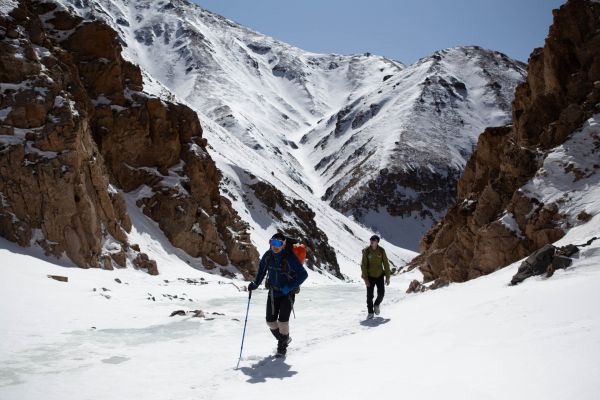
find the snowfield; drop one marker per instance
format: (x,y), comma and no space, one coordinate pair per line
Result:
(481,339)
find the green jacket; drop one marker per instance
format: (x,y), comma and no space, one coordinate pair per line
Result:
(374,263)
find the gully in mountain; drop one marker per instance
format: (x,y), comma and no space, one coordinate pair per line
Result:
(375,266)
(285,274)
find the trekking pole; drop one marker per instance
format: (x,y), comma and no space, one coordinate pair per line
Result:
(244,334)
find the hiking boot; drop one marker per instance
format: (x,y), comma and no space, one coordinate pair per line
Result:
(376,309)
(282,344)
(370,315)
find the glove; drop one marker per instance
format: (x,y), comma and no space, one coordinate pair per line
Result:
(252,286)
(285,290)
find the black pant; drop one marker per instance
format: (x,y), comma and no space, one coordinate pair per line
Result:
(279,308)
(380,292)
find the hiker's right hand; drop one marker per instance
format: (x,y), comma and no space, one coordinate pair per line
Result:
(252,286)
(367,283)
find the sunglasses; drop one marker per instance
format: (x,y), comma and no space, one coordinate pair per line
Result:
(276,242)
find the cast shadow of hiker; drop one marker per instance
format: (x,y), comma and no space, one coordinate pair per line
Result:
(269,367)
(375,321)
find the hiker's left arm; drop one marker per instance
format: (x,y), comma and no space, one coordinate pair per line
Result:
(386,267)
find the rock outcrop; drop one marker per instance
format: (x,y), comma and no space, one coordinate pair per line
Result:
(297,220)
(493,222)
(75,126)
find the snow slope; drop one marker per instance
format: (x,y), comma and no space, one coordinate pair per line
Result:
(479,339)
(272,103)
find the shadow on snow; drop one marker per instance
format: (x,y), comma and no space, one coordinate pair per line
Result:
(375,322)
(269,367)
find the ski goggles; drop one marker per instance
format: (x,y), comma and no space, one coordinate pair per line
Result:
(276,242)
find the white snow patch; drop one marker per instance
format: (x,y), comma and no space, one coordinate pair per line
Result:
(101,101)
(6,6)
(197,229)
(41,52)
(509,222)
(117,108)
(4,113)
(570,174)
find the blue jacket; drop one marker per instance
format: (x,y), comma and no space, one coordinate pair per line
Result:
(289,277)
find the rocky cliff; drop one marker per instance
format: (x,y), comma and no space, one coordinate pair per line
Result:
(494,221)
(77,131)
(296,220)
(381,142)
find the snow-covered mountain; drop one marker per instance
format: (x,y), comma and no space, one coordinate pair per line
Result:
(73,333)
(354,130)
(392,157)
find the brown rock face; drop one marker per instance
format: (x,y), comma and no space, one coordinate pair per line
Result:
(74,119)
(383,192)
(493,223)
(53,182)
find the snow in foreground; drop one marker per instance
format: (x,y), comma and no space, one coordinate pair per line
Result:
(480,339)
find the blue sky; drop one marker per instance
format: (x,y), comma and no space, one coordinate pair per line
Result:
(404,30)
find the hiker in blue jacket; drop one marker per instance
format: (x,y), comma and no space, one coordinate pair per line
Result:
(284,274)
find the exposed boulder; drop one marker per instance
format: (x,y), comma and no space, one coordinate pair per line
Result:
(535,264)
(59,278)
(416,287)
(178,312)
(546,261)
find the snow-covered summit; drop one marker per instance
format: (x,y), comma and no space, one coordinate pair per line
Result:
(398,150)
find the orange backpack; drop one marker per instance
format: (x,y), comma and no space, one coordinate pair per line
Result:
(299,250)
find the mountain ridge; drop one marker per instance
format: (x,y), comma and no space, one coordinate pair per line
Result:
(271,96)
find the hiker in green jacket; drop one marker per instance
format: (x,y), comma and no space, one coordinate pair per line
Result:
(375,266)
